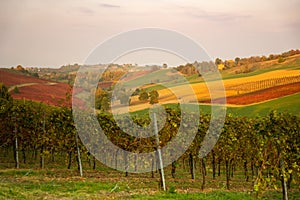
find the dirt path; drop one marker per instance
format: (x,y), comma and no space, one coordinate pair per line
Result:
(20,85)
(28,84)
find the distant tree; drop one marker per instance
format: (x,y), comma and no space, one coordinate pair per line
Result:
(263,58)
(165,66)
(16,90)
(153,97)
(218,61)
(143,96)
(271,57)
(237,60)
(105,103)
(136,92)
(281,59)
(35,74)
(229,64)
(4,94)
(20,68)
(102,100)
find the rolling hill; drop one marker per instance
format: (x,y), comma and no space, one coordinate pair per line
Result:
(35,89)
(254,91)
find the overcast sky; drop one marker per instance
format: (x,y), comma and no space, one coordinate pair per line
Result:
(44,33)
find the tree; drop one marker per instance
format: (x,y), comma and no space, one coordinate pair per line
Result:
(281,59)
(165,66)
(20,68)
(143,96)
(218,61)
(105,103)
(4,94)
(237,60)
(229,64)
(16,90)
(136,92)
(102,100)
(154,97)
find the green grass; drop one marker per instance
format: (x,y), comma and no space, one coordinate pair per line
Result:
(62,184)
(151,77)
(284,104)
(162,76)
(208,196)
(53,189)
(106,183)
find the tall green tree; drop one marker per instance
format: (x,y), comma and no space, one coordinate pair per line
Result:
(154,97)
(143,96)
(5,96)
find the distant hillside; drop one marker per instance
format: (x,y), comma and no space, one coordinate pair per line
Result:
(65,73)
(35,89)
(247,81)
(266,80)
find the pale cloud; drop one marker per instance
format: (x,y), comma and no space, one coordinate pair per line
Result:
(220,17)
(106,5)
(85,10)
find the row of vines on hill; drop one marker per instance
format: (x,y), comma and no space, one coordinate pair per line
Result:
(267,148)
(263,84)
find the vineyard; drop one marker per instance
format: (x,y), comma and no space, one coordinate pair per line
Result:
(262,95)
(253,155)
(263,84)
(42,155)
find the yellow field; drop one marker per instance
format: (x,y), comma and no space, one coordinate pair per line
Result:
(185,95)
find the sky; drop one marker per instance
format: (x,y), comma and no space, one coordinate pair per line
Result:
(42,33)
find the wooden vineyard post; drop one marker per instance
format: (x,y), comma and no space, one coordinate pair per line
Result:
(78,155)
(161,170)
(17,165)
(42,159)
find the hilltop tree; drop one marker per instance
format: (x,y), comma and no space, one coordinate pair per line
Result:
(20,68)
(237,60)
(218,61)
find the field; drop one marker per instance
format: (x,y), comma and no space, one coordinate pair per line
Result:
(235,96)
(263,95)
(11,79)
(35,89)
